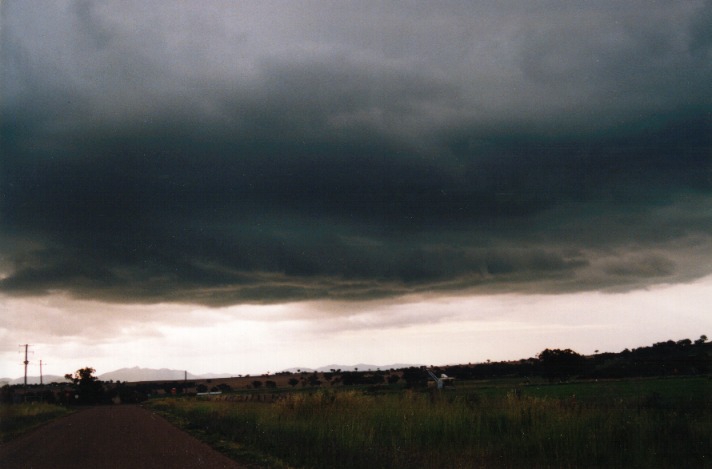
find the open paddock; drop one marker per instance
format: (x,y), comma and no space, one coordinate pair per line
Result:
(499,423)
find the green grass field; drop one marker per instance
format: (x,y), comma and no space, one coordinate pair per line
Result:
(19,418)
(630,423)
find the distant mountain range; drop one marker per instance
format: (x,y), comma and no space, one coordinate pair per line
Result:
(131,375)
(359,367)
(136,374)
(46,379)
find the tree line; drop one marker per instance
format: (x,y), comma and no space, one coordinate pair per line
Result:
(668,358)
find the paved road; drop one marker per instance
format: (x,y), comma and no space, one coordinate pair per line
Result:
(122,436)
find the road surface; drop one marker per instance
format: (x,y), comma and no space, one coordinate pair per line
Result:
(121,436)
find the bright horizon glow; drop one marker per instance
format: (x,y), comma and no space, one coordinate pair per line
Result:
(449,330)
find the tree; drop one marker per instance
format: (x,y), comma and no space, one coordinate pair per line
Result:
(293,382)
(415,377)
(223,387)
(314,379)
(88,388)
(560,364)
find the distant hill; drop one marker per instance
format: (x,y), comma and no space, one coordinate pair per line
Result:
(46,379)
(359,367)
(136,374)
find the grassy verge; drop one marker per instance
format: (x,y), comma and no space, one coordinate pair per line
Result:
(249,455)
(620,424)
(17,419)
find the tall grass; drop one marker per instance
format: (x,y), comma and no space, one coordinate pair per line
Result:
(19,418)
(349,429)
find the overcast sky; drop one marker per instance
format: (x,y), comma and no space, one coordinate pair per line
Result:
(361,181)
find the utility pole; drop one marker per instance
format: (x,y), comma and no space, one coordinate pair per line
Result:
(26,362)
(41,382)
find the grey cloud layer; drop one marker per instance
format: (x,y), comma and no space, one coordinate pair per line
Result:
(222,153)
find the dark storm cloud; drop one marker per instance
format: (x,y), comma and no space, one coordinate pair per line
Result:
(197,154)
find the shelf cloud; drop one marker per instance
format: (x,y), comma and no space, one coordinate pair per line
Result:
(223,153)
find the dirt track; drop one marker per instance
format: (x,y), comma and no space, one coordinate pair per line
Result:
(110,437)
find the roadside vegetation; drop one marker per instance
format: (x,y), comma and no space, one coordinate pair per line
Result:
(20,418)
(630,423)
(645,407)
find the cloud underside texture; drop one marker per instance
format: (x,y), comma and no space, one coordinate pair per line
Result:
(148,170)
